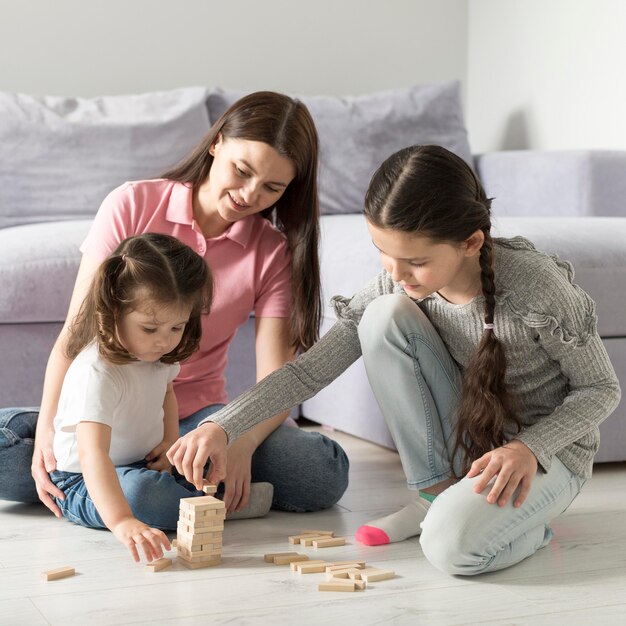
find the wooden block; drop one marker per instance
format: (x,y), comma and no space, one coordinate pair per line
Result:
(209,489)
(312,567)
(295,539)
(309,539)
(296,564)
(199,564)
(343,573)
(201,503)
(199,557)
(285,560)
(194,539)
(430,493)
(373,574)
(55,574)
(159,565)
(269,558)
(345,565)
(329,543)
(337,585)
(328,533)
(360,584)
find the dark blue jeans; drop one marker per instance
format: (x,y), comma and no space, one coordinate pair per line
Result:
(309,471)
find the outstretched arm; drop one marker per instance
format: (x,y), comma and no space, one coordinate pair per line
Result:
(272,351)
(279,391)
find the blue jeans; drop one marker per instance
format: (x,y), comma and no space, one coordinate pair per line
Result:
(154,497)
(309,471)
(417,385)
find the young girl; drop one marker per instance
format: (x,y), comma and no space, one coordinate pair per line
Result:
(485,360)
(246,201)
(117,412)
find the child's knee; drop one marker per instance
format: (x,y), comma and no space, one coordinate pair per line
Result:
(382,315)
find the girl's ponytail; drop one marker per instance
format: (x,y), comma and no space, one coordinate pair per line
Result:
(433,192)
(486,406)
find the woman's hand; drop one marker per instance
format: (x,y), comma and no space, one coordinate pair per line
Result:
(157,459)
(42,463)
(238,475)
(135,534)
(191,452)
(515,466)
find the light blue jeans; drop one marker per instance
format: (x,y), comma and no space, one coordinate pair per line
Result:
(309,471)
(417,385)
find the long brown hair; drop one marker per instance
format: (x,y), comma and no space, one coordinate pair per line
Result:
(430,191)
(153,268)
(286,125)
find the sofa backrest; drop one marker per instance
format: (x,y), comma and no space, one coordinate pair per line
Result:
(59,157)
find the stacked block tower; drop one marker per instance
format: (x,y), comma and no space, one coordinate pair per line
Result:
(200,528)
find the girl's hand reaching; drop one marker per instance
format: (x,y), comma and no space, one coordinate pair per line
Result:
(515,466)
(135,534)
(157,458)
(191,452)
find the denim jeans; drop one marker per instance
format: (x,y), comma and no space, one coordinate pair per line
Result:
(417,385)
(154,497)
(309,471)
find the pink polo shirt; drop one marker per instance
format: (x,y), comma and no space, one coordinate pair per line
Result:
(250,263)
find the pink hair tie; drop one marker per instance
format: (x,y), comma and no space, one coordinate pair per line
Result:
(488,326)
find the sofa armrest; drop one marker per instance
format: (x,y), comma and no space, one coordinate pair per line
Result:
(571,182)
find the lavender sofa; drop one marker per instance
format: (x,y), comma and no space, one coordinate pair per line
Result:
(59,157)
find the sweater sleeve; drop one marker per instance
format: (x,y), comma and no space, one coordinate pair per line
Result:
(301,379)
(567,331)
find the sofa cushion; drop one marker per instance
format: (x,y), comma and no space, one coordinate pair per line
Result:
(59,157)
(38,265)
(594,246)
(358,133)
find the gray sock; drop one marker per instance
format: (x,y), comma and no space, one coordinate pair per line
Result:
(259,504)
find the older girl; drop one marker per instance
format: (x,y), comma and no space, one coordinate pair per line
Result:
(483,355)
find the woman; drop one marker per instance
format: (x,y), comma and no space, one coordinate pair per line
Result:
(246,200)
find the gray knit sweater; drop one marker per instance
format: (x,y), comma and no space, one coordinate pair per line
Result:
(556,364)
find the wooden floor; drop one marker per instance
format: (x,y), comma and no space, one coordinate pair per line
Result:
(580,578)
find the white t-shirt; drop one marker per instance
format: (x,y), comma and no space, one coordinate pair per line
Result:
(128,398)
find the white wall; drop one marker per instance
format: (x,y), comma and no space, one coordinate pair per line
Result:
(336,47)
(546,74)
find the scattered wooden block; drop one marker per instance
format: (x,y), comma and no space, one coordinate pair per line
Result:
(269,558)
(337,585)
(345,565)
(343,573)
(360,584)
(159,565)
(312,567)
(329,543)
(55,574)
(285,560)
(328,533)
(309,539)
(295,565)
(373,574)
(296,539)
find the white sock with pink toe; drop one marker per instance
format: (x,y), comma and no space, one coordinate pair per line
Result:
(395,527)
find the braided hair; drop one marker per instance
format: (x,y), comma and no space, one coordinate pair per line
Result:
(428,190)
